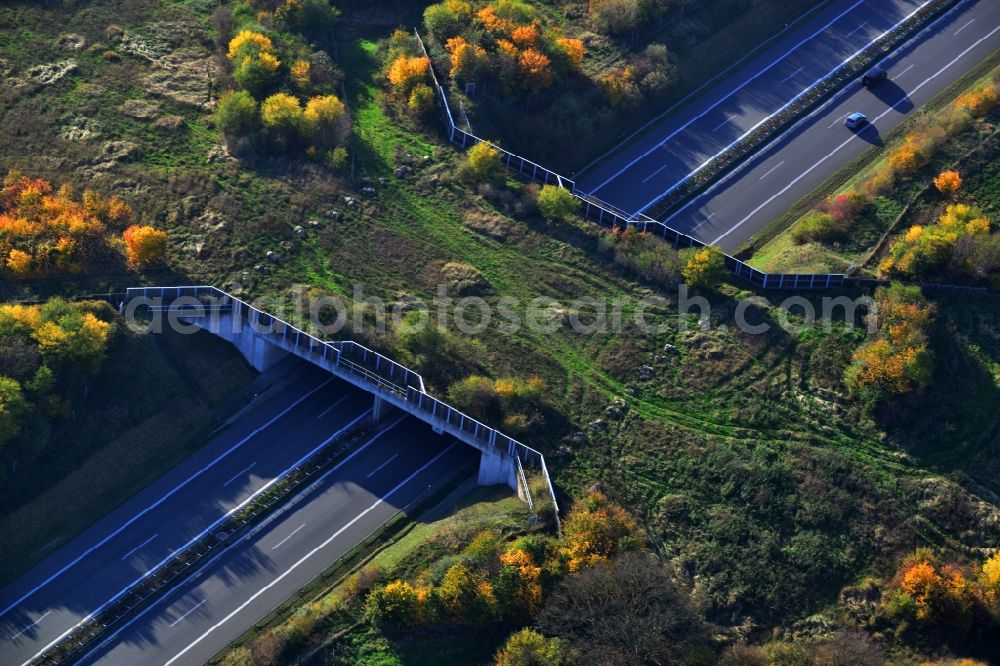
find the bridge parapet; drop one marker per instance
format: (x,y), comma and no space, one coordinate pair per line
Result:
(246,326)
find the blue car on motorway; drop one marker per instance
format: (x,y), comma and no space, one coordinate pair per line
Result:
(855,120)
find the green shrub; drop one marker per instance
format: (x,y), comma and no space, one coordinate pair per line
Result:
(817,227)
(481,164)
(556,203)
(237,114)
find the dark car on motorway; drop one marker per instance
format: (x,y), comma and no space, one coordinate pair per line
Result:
(873,76)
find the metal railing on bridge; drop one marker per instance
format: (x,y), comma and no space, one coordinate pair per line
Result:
(347,359)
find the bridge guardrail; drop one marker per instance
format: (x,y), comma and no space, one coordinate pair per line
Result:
(346,356)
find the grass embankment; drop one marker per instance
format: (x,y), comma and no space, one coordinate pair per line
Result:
(776,250)
(151,405)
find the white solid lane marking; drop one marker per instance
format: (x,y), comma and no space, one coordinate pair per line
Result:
(14,637)
(792,74)
(239,474)
(372,473)
(896,76)
(193,609)
(697,226)
(205,531)
(732,92)
(965,26)
(765,119)
(278,545)
(852,137)
(856,29)
(769,171)
(159,501)
(724,122)
(233,544)
(821,109)
(654,173)
(836,122)
(330,408)
(306,557)
(129,553)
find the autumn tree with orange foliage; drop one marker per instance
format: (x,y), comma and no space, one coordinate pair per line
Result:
(468,61)
(405,72)
(504,40)
(44,233)
(928,593)
(897,361)
(948,182)
(144,245)
(597,530)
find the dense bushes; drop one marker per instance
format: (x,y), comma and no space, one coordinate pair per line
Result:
(510,403)
(952,245)
(898,360)
(47,353)
(507,581)
(643,254)
(278,74)
(45,233)
(504,41)
(929,594)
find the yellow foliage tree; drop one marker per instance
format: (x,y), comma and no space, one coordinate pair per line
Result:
(482,163)
(574,50)
(321,118)
(300,71)
(703,267)
(249,41)
(406,72)
(19,263)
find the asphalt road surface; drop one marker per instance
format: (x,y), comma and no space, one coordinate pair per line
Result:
(43,605)
(255,574)
(663,155)
(733,210)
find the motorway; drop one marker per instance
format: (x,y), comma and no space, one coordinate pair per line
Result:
(307,409)
(733,210)
(242,584)
(728,215)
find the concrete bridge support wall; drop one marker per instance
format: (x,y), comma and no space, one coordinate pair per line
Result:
(256,349)
(496,468)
